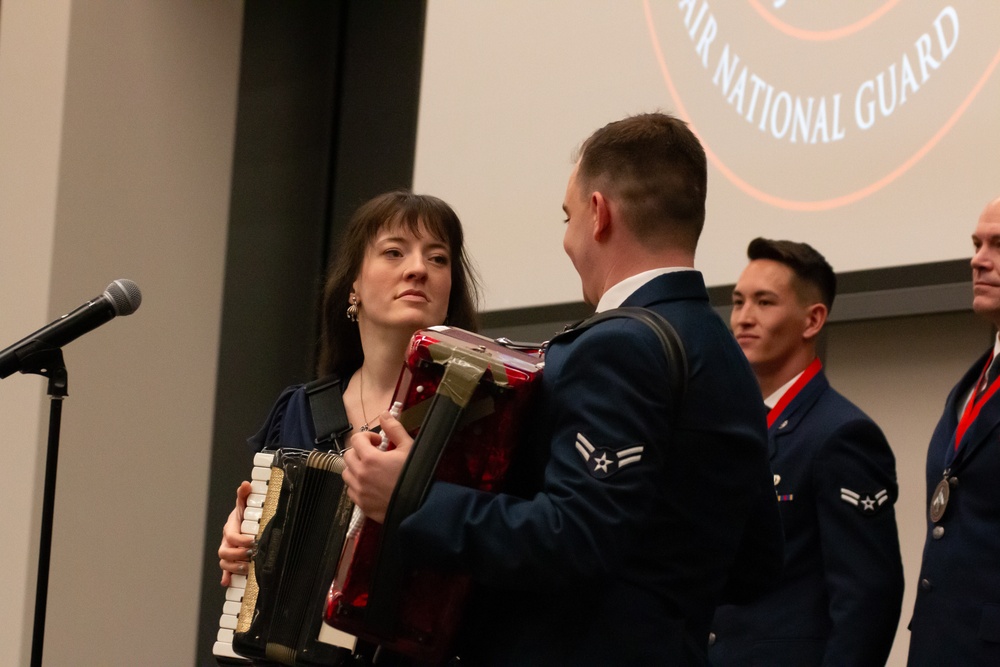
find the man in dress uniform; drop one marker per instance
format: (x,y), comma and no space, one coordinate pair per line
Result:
(839,597)
(632,517)
(956,618)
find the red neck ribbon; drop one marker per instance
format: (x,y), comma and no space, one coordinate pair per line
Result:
(974,405)
(808,374)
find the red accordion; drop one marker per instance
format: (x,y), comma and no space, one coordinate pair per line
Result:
(463,398)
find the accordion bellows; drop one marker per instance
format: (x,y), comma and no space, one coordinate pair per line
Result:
(302,527)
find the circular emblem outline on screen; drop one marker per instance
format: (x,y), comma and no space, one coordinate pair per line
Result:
(944,33)
(819,35)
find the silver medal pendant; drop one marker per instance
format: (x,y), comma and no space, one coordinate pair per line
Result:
(939,500)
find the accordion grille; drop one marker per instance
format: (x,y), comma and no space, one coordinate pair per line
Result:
(267,512)
(284,655)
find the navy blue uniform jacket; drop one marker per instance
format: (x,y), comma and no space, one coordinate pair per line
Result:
(841,589)
(627,527)
(956,617)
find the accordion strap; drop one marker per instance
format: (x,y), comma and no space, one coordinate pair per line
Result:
(415,479)
(326,403)
(673,347)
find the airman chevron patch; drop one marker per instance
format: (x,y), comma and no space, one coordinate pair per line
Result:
(603,462)
(867,504)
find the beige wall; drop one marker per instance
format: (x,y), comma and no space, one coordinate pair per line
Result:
(33,43)
(116,135)
(899,371)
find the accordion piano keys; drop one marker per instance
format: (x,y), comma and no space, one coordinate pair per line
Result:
(258,491)
(223,647)
(227,622)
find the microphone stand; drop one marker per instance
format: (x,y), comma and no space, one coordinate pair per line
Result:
(41,359)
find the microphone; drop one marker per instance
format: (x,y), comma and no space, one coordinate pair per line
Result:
(122,297)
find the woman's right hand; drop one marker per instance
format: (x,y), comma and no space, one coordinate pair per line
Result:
(236,548)
(372,473)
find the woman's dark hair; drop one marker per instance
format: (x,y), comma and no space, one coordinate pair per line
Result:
(340,344)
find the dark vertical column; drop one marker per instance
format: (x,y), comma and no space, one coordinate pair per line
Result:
(276,241)
(380,81)
(326,119)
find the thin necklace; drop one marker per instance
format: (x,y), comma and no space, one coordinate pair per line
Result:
(361,394)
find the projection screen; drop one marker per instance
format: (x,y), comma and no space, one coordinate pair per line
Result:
(870,130)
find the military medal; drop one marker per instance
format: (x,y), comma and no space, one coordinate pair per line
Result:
(939,499)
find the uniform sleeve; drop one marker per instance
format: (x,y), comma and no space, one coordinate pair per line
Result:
(855,480)
(608,411)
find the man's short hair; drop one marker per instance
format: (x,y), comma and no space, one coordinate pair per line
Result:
(655,167)
(810,267)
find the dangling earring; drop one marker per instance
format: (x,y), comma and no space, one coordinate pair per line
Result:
(352,310)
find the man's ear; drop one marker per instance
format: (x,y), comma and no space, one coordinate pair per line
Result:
(602,215)
(816,315)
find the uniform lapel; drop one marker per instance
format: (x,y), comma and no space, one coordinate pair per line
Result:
(953,408)
(981,429)
(795,411)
